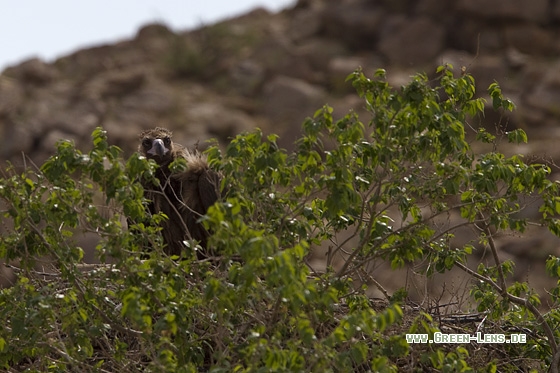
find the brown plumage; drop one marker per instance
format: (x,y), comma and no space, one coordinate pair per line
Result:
(184,196)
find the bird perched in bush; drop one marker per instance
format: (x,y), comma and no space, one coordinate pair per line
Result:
(183,196)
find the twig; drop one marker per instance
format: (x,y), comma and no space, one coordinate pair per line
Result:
(519,301)
(497,262)
(376,283)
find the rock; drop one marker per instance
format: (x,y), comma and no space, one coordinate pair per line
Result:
(124,136)
(86,63)
(532,119)
(50,139)
(457,59)
(115,83)
(154,97)
(546,96)
(284,96)
(154,30)
(529,38)
(556,10)
(351,103)
(340,67)
(33,71)
(516,59)
(17,141)
(535,244)
(357,26)
(412,42)
(123,83)
(304,24)
(285,66)
(58,107)
(434,8)
(287,102)
(488,69)
(533,11)
(400,77)
(139,119)
(11,96)
(153,42)
(247,77)
(318,52)
(219,121)
(484,69)
(476,36)
(279,56)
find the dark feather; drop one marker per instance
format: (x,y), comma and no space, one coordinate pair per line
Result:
(184,196)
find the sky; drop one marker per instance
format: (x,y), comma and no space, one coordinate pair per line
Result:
(52,29)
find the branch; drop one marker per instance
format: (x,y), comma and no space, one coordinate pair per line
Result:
(521,302)
(377,284)
(497,261)
(518,300)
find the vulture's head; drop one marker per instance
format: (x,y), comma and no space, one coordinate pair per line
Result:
(156,144)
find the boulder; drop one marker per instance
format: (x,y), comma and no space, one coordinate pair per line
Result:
(318,52)
(533,11)
(218,120)
(546,95)
(357,26)
(530,38)
(412,42)
(11,96)
(33,71)
(488,69)
(304,24)
(340,67)
(556,10)
(287,102)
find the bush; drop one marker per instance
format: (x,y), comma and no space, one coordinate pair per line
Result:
(260,306)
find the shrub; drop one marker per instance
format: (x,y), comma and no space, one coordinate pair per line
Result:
(260,306)
(200,54)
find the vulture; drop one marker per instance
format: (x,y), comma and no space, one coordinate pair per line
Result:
(183,196)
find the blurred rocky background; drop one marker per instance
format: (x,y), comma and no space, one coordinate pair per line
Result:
(273,70)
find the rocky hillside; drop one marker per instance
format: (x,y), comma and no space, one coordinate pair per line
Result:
(273,70)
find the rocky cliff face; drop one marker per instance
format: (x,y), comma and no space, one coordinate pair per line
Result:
(273,70)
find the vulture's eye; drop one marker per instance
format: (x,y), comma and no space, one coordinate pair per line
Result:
(167,141)
(146,143)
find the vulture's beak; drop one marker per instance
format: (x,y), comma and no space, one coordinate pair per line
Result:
(158,148)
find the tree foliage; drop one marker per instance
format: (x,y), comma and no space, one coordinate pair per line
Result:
(260,305)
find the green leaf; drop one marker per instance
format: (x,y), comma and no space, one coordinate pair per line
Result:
(517,136)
